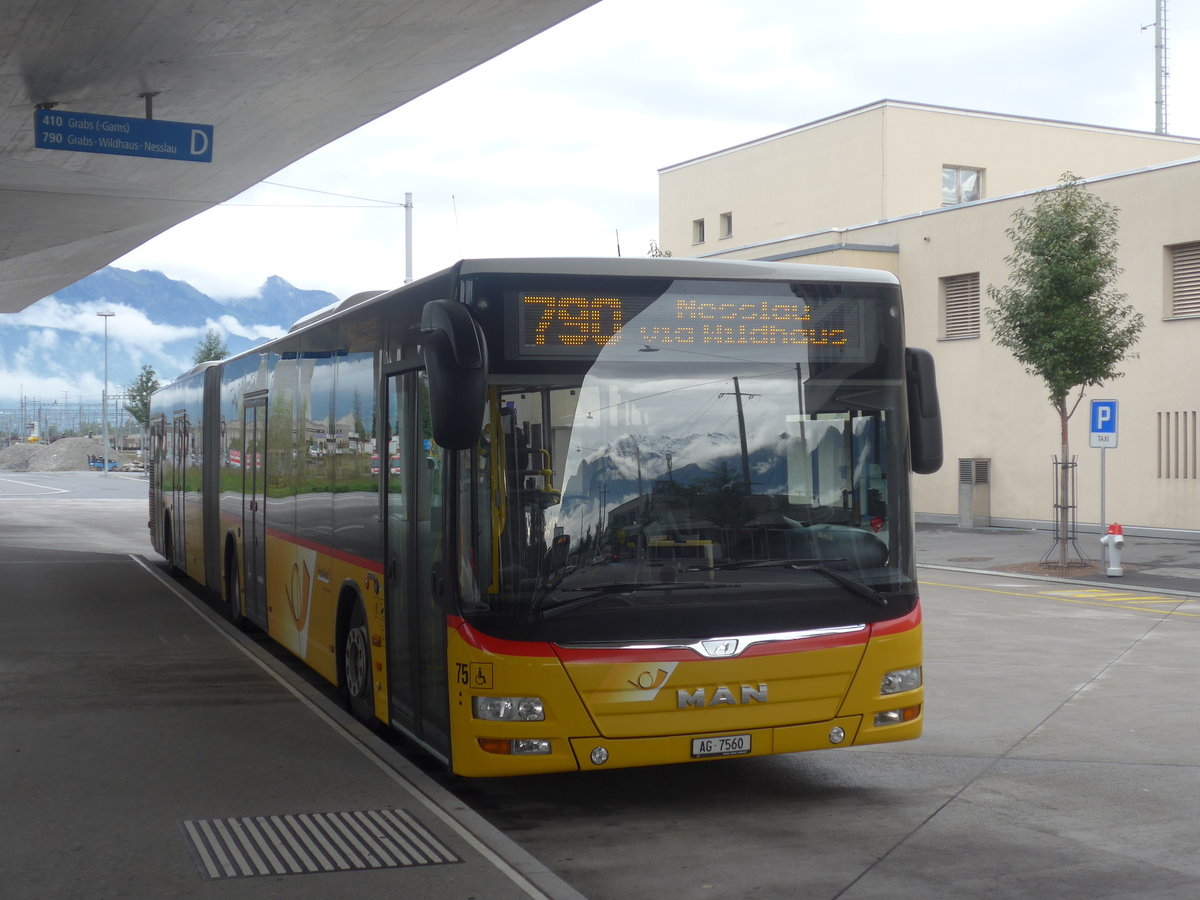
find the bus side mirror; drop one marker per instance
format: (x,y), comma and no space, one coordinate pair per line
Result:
(924,413)
(456,360)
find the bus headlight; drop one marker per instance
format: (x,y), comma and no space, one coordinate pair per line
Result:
(515,747)
(899,680)
(530,747)
(508,709)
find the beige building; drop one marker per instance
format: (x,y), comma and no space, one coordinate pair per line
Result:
(927,193)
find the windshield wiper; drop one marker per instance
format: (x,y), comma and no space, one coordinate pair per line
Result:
(595,592)
(820,566)
(853,585)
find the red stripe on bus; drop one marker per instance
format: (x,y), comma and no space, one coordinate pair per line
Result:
(325,550)
(898,626)
(497,646)
(503,647)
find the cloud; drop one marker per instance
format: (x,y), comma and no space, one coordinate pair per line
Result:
(62,347)
(231,325)
(127,323)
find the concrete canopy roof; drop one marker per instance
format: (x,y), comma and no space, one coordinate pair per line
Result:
(276,78)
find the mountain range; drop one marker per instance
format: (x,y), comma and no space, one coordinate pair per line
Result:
(177,302)
(54,349)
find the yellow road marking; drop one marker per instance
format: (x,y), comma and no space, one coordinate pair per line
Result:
(1088,597)
(1115,595)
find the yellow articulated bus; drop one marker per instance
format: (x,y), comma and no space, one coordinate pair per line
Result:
(635,512)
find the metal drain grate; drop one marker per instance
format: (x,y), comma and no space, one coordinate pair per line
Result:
(314,842)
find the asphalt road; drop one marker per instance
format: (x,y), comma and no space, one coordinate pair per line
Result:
(1060,759)
(84,511)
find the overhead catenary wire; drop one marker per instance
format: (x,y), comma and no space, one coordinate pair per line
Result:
(364,202)
(374,202)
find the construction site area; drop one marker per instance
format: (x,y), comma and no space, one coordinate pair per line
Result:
(33,433)
(67,454)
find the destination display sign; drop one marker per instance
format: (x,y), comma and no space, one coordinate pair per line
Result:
(571,325)
(123,136)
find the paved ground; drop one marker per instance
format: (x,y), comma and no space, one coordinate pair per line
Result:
(1157,564)
(1057,759)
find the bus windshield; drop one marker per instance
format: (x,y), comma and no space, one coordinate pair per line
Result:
(681,490)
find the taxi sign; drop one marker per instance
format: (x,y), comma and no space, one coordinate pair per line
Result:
(1103,430)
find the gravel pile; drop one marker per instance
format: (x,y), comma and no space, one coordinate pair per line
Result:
(64,455)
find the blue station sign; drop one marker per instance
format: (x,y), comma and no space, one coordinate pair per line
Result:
(123,136)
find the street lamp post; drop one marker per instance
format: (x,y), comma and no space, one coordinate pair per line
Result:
(104,397)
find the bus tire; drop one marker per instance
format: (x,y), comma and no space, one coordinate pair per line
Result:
(356,666)
(233,590)
(169,548)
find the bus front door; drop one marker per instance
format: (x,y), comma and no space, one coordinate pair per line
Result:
(414,577)
(254,528)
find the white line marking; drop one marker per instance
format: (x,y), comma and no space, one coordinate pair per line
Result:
(298,831)
(201,846)
(42,488)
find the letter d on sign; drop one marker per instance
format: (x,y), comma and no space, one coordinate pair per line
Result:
(200,143)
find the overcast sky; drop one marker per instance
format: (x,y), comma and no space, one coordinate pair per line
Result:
(554,147)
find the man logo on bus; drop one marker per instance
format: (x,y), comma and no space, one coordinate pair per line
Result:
(722,696)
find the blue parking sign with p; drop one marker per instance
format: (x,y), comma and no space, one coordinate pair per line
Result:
(1103,431)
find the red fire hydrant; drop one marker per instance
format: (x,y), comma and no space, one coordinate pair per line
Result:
(1113,542)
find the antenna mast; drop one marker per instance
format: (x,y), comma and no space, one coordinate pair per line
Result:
(1160,66)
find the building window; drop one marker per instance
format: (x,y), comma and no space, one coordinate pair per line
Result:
(697,231)
(726,224)
(960,306)
(1177,444)
(1185,280)
(961,185)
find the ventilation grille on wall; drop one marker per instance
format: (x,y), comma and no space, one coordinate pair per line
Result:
(1185,280)
(962,305)
(974,471)
(1177,444)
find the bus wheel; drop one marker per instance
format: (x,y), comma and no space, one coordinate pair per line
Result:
(169,549)
(233,593)
(356,666)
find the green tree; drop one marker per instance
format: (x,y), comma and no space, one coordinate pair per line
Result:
(212,347)
(1059,314)
(139,393)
